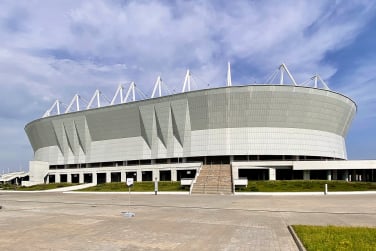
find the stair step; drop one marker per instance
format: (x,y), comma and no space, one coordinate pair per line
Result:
(213,179)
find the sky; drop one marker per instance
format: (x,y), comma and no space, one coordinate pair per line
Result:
(54,49)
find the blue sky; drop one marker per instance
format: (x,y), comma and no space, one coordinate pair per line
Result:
(55,49)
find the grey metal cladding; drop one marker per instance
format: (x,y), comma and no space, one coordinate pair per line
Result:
(181,114)
(41,134)
(163,119)
(178,116)
(69,132)
(146,116)
(60,135)
(198,110)
(118,122)
(80,128)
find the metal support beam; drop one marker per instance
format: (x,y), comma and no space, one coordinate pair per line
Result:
(130,89)
(187,82)
(56,105)
(119,91)
(229,83)
(316,80)
(283,68)
(157,84)
(75,99)
(96,95)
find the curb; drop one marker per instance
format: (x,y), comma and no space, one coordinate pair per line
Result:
(303,193)
(298,243)
(133,193)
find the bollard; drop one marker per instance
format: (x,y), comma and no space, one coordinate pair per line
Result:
(326,189)
(156,186)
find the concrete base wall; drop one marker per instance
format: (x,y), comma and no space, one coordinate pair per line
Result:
(38,170)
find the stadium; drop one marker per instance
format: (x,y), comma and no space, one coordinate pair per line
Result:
(212,139)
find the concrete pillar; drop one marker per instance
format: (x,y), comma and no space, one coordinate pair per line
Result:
(47,180)
(272,173)
(108,177)
(94,176)
(123,176)
(155,174)
(69,178)
(306,175)
(346,175)
(57,178)
(235,172)
(335,175)
(81,178)
(328,175)
(139,176)
(174,176)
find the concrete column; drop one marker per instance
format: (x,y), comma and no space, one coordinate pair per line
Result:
(69,177)
(346,175)
(328,175)
(108,177)
(335,175)
(57,178)
(139,176)
(123,176)
(47,180)
(306,175)
(231,158)
(235,173)
(81,178)
(272,173)
(155,174)
(94,176)
(174,176)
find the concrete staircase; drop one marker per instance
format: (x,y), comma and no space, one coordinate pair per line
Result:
(213,179)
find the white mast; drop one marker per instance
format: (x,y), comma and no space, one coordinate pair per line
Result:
(157,85)
(229,83)
(187,81)
(119,91)
(316,80)
(75,99)
(96,95)
(55,104)
(283,68)
(130,89)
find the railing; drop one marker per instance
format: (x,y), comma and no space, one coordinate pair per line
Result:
(195,179)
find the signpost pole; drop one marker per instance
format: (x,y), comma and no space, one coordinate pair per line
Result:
(129,214)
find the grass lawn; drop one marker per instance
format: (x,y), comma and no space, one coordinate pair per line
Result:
(36,187)
(146,186)
(306,186)
(336,238)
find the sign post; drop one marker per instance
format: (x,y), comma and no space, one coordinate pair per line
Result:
(129,214)
(155,186)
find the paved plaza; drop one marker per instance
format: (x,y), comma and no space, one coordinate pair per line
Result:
(78,221)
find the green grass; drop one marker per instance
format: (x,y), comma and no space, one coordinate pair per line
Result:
(306,186)
(36,187)
(146,186)
(336,238)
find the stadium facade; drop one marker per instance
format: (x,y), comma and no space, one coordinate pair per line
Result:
(259,131)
